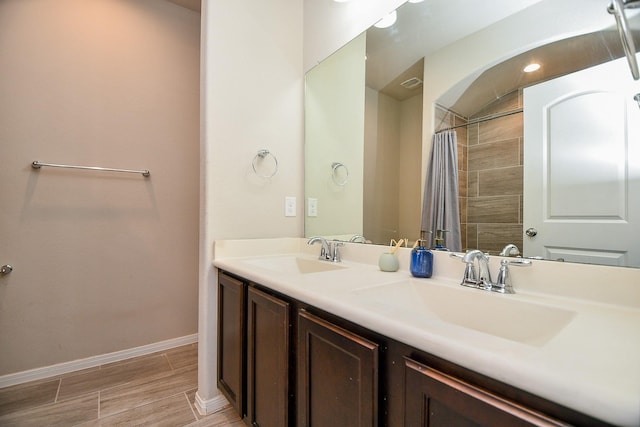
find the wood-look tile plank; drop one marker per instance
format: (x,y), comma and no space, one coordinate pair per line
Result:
(171,411)
(493,210)
(181,357)
(494,155)
(493,238)
(68,413)
(226,417)
(141,392)
(191,397)
(28,395)
(501,182)
(113,374)
(503,128)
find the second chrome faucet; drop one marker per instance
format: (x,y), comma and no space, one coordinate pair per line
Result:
(330,251)
(480,277)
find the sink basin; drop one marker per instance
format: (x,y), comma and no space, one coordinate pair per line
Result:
(498,315)
(291,264)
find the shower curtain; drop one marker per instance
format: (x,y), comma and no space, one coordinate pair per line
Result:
(440,210)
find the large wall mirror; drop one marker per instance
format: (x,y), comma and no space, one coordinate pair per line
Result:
(547,160)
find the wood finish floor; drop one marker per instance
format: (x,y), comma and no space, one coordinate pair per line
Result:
(155,390)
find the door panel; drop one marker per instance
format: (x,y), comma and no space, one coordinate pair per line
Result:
(337,376)
(582,167)
(231,350)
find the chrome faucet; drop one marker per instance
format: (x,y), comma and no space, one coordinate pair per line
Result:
(510,250)
(480,278)
(358,237)
(329,251)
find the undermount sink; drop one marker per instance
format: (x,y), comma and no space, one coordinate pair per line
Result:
(498,315)
(292,264)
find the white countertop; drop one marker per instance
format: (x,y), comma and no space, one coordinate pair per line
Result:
(591,364)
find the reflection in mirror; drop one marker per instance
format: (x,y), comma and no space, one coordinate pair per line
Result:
(492,165)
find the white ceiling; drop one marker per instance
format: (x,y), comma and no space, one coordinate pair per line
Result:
(427,27)
(423,28)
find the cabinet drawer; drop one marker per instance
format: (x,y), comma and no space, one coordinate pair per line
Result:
(434,399)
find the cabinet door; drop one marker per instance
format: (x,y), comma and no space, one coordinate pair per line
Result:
(231,314)
(267,360)
(434,399)
(337,376)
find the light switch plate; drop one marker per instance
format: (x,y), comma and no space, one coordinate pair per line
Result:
(312,206)
(290,206)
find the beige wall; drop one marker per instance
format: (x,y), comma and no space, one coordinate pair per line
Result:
(410,175)
(102,262)
(393,148)
(252,98)
(334,133)
(269,37)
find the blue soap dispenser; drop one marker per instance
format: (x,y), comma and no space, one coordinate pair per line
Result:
(421,259)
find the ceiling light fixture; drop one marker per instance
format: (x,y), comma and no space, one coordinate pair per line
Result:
(531,68)
(387,21)
(416,1)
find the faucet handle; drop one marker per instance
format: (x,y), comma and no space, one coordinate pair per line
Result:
(335,255)
(503,283)
(519,262)
(470,276)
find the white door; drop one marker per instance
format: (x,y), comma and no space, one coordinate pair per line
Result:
(582,167)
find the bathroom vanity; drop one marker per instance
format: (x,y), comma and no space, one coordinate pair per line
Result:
(310,343)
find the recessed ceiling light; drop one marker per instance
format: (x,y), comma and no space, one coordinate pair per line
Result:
(416,1)
(387,21)
(531,68)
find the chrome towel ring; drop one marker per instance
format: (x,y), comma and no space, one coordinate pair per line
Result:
(339,174)
(259,158)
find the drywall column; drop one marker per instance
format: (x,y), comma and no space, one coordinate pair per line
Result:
(252,99)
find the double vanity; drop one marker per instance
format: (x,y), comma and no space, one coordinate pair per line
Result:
(304,341)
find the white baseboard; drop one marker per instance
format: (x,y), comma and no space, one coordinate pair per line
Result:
(90,362)
(206,407)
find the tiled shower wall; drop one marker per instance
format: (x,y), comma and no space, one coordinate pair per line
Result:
(490,173)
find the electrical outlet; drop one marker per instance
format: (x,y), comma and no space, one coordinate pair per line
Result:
(312,206)
(290,206)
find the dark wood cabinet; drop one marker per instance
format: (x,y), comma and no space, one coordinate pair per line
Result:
(231,341)
(254,352)
(315,369)
(267,360)
(435,399)
(337,376)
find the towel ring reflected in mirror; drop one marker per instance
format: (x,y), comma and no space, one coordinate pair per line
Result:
(259,158)
(339,174)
